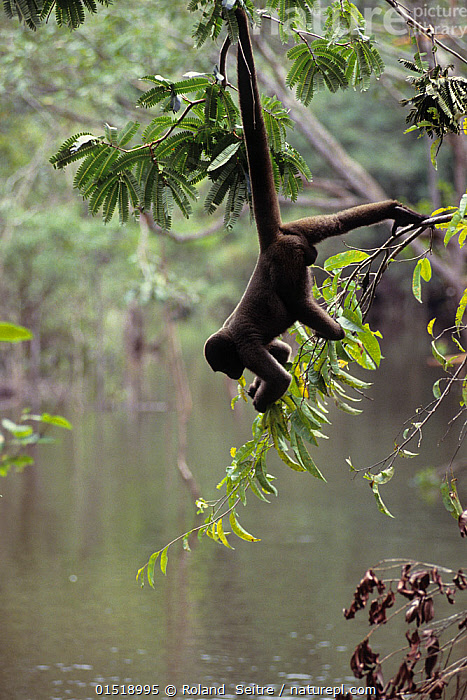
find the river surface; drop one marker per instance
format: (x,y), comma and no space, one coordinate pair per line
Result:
(75,529)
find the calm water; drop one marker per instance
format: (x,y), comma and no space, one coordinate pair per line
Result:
(75,529)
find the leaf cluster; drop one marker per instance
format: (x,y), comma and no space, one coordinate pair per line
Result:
(17,437)
(439,106)
(177,153)
(344,57)
(68,13)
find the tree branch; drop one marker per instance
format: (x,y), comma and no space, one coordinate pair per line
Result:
(180,237)
(426,31)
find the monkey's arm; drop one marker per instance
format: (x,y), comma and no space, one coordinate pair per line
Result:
(318,228)
(265,201)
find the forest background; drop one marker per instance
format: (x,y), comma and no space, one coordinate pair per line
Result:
(119,314)
(353,142)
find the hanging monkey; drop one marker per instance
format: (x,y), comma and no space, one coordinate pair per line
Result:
(279,292)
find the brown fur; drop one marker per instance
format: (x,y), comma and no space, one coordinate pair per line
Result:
(279,292)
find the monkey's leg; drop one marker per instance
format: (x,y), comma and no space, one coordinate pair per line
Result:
(274,379)
(278,349)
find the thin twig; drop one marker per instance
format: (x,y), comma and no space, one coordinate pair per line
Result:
(427,31)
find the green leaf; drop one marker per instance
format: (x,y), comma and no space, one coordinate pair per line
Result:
(10,333)
(224,156)
(370,345)
(279,438)
(425,269)
(221,534)
(416,283)
(436,389)
(257,491)
(304,456)
(127,133)
(99,193)
(464,392)
(382,477)
(54,420)
(430,326)
(262,477)
(111,200)
(238,530)
(19,462)
(461,308)
(150,569)
(352,381)
(288,461)
(451,498)
(346,408)
(140,575)
(19,431)
(94,166)
(164,560)
(439,357)
(351,320)
(349,257)
(407,454)
(381,506)
(304,425)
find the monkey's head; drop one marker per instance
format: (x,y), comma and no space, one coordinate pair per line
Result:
(222,355)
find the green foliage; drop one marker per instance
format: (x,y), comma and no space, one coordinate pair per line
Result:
(195,137)
(315,66)
(458,224)
(177,153)
(457,227)
(422,271)
(295,424)
(10,333)
(439,106)
(68,13)
(214,16)
(293,15)
(450,497)
(17,437)
(345,57)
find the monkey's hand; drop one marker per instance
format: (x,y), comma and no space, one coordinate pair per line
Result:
(403,216)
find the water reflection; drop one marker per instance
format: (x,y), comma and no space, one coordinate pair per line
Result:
(76,528)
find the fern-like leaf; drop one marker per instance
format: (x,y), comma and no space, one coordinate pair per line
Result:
(98,194)
(123,201)
(134,190)
(74,148)
(157,127)
(224,156)
(170,145)
(210,104)
(90,167)
(128,160)
(110,201)
(127,133)
(219,188)
(150,184)
(229,110)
